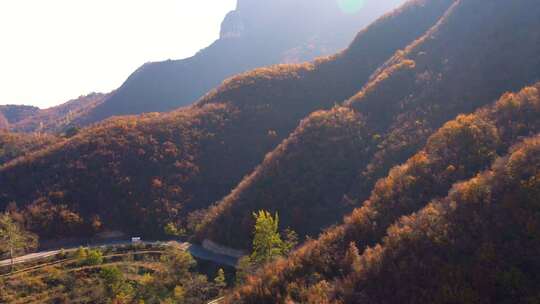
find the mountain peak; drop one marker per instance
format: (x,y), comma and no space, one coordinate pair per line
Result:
(232,25)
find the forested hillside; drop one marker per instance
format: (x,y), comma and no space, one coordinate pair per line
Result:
(403,169)
(458,151)
(62,118)
(331,162)
(13,145)
(138,173)
(477,245)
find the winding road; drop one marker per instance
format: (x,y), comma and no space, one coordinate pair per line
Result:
(195,250)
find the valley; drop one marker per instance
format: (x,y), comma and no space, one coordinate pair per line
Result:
(287,166)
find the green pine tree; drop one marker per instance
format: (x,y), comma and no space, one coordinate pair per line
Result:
(267,242)
(219,280)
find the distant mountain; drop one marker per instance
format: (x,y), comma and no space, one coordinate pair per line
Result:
(15,113)
(52,120)
(257,33)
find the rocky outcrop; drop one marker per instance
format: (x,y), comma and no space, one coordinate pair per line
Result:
(232,26)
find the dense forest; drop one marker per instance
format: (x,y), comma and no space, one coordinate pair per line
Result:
(138,173)
(331,162)
(477,245)
(403,169)
(13,145)
(459,150)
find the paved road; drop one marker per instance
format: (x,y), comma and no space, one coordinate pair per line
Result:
(30,257)
(195,250)
(216,301)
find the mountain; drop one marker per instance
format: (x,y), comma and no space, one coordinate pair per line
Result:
(330,163)
(409,163)
(458,151)
(477,245)
(28,129)
(403,78)
(257,33)
(52,120)
(12,114)
(138,173)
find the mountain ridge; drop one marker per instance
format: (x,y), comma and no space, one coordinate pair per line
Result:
(459,150)
(408,99)
(185,160)
(247,41)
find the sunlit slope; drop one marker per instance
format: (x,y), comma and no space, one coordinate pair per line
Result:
(477,245)
(137,173)
(331,162)
(458,151)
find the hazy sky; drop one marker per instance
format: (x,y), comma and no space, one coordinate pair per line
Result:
(54,50)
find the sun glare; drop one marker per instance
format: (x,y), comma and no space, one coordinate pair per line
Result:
(351,6)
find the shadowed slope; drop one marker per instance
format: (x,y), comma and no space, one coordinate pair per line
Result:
(138,173)
(478,245)
(457,151)
(257,33)
(454,68)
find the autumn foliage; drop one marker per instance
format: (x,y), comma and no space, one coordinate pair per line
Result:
(139,173)
(459,150)
(323,171)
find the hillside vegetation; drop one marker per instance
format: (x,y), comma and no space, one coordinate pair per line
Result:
(458,151)
(138,173)
(330,163)
(477,245)
(404,169)
(13,145)
(62,118)
(124,274)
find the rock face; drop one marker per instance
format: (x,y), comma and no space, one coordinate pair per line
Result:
(232,26)
(257,33)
